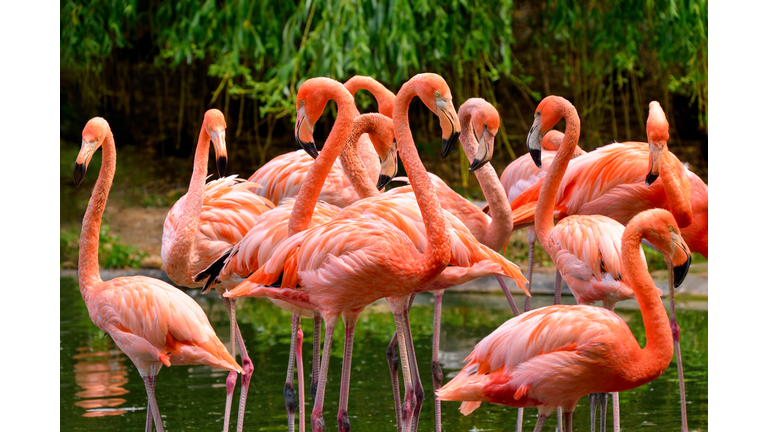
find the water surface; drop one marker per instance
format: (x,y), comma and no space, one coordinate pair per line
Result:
(100,389)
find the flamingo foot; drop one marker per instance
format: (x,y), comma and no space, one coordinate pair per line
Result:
(343,421)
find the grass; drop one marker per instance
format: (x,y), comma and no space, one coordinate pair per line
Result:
(113,253)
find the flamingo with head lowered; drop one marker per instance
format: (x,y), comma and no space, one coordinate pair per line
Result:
(153,323)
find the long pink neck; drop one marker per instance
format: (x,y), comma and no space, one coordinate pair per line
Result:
(495,235)
(658,348)
(677,188)
(189,221)
(301,215)
(545,207)
(88,258)
(350,158)
(438,250)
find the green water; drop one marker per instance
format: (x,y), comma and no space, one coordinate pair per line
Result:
(100,389)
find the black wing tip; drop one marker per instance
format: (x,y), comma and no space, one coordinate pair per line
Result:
(211,273)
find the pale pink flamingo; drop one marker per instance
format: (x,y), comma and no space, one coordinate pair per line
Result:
(364,247)
(153,323)
(208,220)
(552,356)
(282,177)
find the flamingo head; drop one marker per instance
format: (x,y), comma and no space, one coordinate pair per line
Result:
(485,124)
(381,131)
(550,110)
(311,100)
(552,140)
(657,129)
(93,136)
(660,229)
(436,95)
(214,125)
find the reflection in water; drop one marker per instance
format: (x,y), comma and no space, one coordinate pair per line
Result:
(101,375)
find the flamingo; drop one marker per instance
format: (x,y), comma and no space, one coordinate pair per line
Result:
(272,228)
(552,356)
(332,262)
(153,323)
(283,176)
(208,220)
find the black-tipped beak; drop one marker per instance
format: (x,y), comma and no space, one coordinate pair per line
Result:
(309,147)
(304,133)
(534,140)
(383,181)
(221,165)
(79,173)
(536,156)
(484,151)
(681,271)
(449,144)
(650,178)
(477,164)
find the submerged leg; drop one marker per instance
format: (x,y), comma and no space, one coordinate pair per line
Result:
(678,355)
(342,418)
(232,377)
(418,389)
(437,371)
(318,424)
(398,306)
(245,379)
(300,370)
(393,361)
(289,394)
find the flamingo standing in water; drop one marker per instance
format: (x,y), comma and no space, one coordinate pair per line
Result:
(208,220)
(153,323)
(552,356)
(332,262)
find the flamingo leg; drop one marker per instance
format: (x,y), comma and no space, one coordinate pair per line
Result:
(569,421)
(398,307)
(315,355)
(616,421)
(603,410)
(342,418)
(149,383)
(560,419)
(437,371)
(245,379)
(393,362)
(232,376)
(417,387)
(148,427)
(511,301)
(531,246)
(540,423)
(318,424)
(289,394)
(558,287)
(678,356)
(300,370)
(592,411)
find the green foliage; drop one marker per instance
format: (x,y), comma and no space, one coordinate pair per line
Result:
(112,252)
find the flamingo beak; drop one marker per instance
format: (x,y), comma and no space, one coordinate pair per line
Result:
(484,151)
(388,167)
(87,149)
(449,123)
(304,133)
(220,149)
(654,161)
(680,271)
(534,140)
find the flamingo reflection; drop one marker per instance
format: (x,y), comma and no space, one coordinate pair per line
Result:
(101,374)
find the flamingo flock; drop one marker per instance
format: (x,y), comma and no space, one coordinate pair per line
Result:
(316,233)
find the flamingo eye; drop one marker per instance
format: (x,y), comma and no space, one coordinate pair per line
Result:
(671,229)
(437,94)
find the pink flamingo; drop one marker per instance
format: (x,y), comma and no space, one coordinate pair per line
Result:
(207,221)
(331,282)
(153,323)
(552,356)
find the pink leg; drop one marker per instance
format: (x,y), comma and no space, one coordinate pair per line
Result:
(315,356)
(245,379)
(511,301)
(342,419)
(148,427)
(289,394)
(149,383)
(569,421)
(398,306)
(393,362)
(418,389)
(559,413)
(540,423)
(531,245)
(232,377)
(603,410)
(300,370)
(616,421)
(318,424)
(437,371)
(678,355)
(558,287)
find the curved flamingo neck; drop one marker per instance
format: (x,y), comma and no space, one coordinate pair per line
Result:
(437,251)
(350,158)
(189,220)
(301,215)
(497,233)
(88,256)
(677,188)
(544,217)
(385,99)
(658,348)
